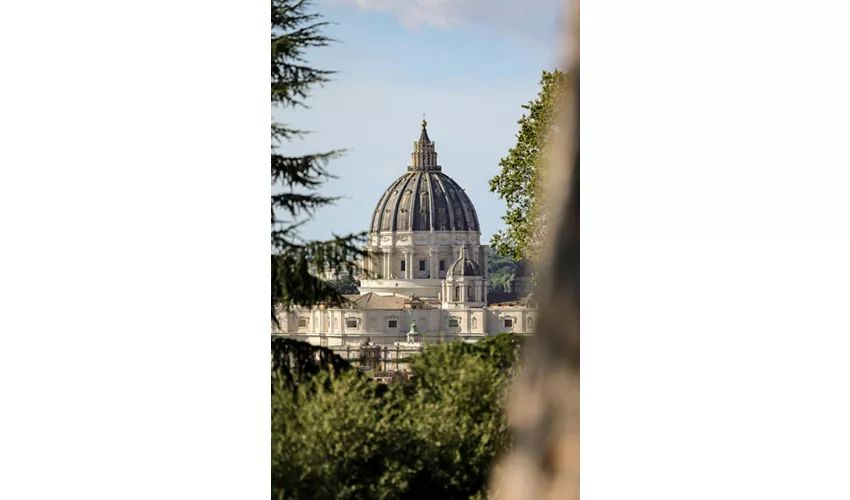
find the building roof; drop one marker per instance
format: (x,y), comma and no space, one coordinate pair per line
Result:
(424,198)
(502,298)
(374,301)
(509,299)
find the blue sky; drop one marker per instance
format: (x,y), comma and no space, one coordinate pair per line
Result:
(468,64)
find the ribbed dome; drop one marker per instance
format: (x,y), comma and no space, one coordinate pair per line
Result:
(425,201)
(463,266)
(424,198)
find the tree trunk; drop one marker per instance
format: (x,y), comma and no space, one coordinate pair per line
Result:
(543,409)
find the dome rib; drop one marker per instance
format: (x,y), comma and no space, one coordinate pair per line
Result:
(432,210)
(398,199)
(448,208)
(414,202)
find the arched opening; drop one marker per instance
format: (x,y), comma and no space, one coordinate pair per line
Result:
(457,293)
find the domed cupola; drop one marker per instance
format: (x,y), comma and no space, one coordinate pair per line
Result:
(465,284)
(424,198)
(464,266)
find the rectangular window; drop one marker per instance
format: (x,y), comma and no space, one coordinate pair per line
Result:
(453,322)
(302,322)
(393,323)
(421,265)
(351,323)
(509,323)
(442,265)
(402,265)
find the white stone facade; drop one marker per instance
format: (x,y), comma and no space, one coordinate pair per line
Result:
(424,263)
(339,327)
(415,262)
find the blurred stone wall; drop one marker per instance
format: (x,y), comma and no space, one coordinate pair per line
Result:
(544,406)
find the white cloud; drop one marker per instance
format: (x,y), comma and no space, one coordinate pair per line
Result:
(513,15)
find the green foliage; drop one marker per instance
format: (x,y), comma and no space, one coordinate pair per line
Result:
(295,179)
(340,436)
(520,181)
(295,362)
(459,400)
(294,30)
(337,438)
(346,284)
(502,270)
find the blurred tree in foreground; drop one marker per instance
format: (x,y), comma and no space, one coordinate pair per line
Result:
(295,179)
(520,181)
(545,403)
(339,435)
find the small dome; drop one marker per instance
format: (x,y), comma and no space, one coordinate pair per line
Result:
(463,266)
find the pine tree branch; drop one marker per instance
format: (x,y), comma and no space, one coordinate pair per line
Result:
(296,179)
(298,204)
(307,171)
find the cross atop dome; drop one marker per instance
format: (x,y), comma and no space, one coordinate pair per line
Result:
(423,137)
